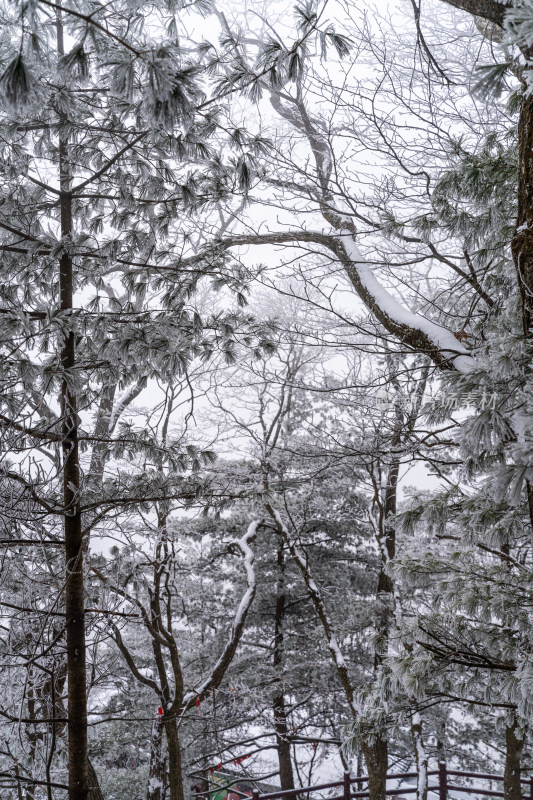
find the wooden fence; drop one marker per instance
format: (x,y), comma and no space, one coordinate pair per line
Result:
(354,787)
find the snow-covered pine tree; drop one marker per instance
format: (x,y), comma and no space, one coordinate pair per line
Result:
(106,128)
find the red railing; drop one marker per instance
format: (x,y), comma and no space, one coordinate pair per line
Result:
(442,787)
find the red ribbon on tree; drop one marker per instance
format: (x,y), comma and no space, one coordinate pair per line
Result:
(160,711)
(238,761)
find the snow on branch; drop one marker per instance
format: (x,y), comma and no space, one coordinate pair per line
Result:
(443,340)
(416,331)
(123,402)
(219,670)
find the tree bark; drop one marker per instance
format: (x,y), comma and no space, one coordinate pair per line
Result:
(377,760)
(95,793)
(157,773)
(175,775)
(278,704)
(514,743)
(376,751)
(491,10)
(421,757)
(522,243)
(74,581)
(74,590)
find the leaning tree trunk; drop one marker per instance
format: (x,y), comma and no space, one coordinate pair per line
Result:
(74,581)
(514,742)
(175,775)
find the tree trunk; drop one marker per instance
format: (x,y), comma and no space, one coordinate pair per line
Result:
(156,776)
(31,733)
(278,704)
(74,582)
(377,760)
(175,776)
(74,589)
(522,243)
(376,752)
(95,793)
(286,775)
(421,757)
(514,742)
(101,433)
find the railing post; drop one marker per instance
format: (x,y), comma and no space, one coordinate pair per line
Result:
(347,787)
(531,788)
(443,781)
(255,794)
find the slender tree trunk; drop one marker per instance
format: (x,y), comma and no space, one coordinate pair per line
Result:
(74,588)
(278,704)
(514,743)
(101,432)
(31,733)
(156,777)
(286,775)
(175,775)
(376,751)
(421,757)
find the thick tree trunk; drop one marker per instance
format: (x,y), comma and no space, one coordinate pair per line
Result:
(74,583)
(278,704)
(175,775)
(377,760)
(157,774)
(95,793)
(522,243)
(514,743)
